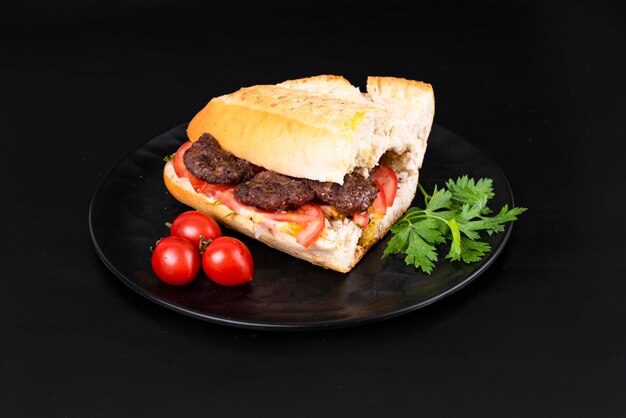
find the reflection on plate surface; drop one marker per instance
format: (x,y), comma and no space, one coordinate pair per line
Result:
(129,209)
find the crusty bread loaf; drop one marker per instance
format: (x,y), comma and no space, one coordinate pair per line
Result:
(319,128)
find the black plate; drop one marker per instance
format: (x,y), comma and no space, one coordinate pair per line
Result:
(129,209)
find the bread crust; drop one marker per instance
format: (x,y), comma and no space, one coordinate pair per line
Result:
(319,128)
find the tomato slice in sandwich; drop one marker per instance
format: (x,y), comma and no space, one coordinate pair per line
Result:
(296,217)
(215,189)
(387,181)
(313,228)
(361,219)
(225,194)
(182,172)
(179,164)
(379,206)
(309,215)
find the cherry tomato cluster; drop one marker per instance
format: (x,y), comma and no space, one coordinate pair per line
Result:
(196,239)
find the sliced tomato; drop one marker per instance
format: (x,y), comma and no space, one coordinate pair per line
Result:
(361,219)
(309,215)
(312,229)
(297,217)
(215,189)
(307,222)
(379,206)
(182,172)
(387,181)
(197,184)
(227,197)
(179,164)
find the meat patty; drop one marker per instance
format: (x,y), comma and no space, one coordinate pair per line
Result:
(274,192)
(356,194)
(206,160)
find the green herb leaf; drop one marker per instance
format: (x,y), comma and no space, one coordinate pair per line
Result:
(456,215)
(439,200)
(467,191)
(455,247)
(169,158)
(416,240)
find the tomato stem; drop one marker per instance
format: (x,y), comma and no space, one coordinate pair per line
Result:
(203,243)
(152,247)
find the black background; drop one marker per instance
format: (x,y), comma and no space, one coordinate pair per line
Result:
(537,87)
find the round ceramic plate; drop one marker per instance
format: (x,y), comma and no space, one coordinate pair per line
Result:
(130,207)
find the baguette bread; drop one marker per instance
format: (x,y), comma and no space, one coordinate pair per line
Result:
(318,128)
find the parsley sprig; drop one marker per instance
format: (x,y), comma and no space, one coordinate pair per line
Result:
(457,215)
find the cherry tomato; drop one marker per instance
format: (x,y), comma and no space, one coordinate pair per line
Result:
(387,182)
(192,225)
(175,261)
(228,262)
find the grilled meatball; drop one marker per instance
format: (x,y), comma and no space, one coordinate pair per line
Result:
(356,194)
(274,192)
(206,160)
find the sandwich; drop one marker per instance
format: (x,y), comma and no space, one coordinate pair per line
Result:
(311,167)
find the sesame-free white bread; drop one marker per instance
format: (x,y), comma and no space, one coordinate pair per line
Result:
(320,128)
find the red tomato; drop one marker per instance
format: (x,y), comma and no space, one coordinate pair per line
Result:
(197,184)
(228,262)
(387,182)
(192,225)
(182,172)
(308,214)
(227,197)
(215,189)
(361,219)
(179,164)
(297,217)
(313,229)
(379,206)
(175,261)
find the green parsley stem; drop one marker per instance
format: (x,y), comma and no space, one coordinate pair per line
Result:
(424,193)
(423,215)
